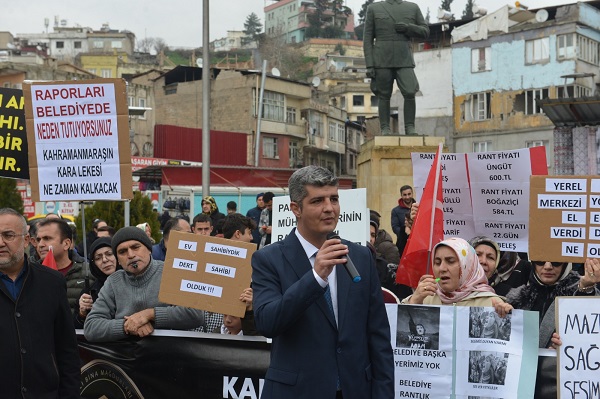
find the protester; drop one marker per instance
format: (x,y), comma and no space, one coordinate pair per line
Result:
(331,336)
(497,273)
(202,224)
(254,214)
(210,208)
(38,349)
(159,251)
(513,271)
(549,280)
(383,242)
(266,220)
(57,234)
(231,207)
(103,263)
(128,302)
(236,227)
(106,231)
(147,229)
(399,216)
(461,281)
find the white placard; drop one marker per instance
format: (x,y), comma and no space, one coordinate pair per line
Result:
(187,245)
(76,139)
(201,288)
(226,250)
(220,270)
(185,264)
(353,223)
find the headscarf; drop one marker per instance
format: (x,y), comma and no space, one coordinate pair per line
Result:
(534,279)
(471,278)
(213,204)
(479,240)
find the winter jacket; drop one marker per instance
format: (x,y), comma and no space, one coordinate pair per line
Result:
(385,247)
(39,358)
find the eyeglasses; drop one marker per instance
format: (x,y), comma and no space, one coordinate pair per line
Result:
(107,255)
(543,262)
(9,236)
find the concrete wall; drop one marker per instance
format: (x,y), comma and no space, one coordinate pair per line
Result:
(434,72)
(384,165)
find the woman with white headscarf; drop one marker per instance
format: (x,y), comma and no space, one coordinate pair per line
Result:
(458,279)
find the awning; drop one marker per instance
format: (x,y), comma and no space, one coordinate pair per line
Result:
(151,168)
(572,112)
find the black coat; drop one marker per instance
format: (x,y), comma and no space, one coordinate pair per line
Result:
(39,358)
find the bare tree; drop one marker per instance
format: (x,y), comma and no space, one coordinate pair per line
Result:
(160,45)
(285,57)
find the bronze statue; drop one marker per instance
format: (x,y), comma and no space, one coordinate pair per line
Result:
(390,26)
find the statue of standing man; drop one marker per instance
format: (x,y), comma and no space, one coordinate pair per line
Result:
(390,26)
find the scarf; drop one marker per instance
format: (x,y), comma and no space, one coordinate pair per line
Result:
(471,278)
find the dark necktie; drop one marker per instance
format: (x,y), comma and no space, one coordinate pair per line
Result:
(329,301)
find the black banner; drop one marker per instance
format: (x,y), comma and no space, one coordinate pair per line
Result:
(13,136)
(194,365)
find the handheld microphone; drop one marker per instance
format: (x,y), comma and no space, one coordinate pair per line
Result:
(349,265)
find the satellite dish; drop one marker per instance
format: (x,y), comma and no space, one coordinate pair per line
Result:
(199,62)
(38,48)
(316,81)
(10,46)
(275,72)
(541,15)
(444,15)
(479,10)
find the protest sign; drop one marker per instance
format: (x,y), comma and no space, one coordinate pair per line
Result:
(13,140)
(565,218)
(463,352)
(579,355)
(207,273)
(78,140)
(486,193)
(353,222)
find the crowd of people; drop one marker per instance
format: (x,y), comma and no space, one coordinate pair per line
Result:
(115,294)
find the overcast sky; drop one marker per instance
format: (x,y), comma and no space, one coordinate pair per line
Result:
(179,23)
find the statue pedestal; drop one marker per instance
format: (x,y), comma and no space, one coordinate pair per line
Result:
(384,165)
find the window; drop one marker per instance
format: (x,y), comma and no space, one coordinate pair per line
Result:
(477,107)
(358,100)
(142,104)
(294,154)
(341,133)
(290,115)
(92,70)
(481,59)
(531,101)
(98,44)
(587,50)
(332,130)
(343,102)
(482,146)
(77,44)
(573,91)
(171,89)
(566,46)
(131,101)
(60,44)
(273,106)
(270,148)
(374,101)
(116,44)
(106,73)
(537,50)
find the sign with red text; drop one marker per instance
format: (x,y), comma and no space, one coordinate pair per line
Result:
(78,139)
(565,218)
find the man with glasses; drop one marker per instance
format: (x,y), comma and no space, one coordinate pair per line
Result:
(57,234)
(38,349)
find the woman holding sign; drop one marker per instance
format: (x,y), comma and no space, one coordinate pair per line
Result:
(458,279)
(547,281)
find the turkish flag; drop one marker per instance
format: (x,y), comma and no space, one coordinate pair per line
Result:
(427,230)
(49,260)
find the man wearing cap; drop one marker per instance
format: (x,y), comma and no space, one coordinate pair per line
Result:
(128,302)
(254,214)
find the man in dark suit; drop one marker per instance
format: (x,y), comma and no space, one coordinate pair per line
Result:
(331,337)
